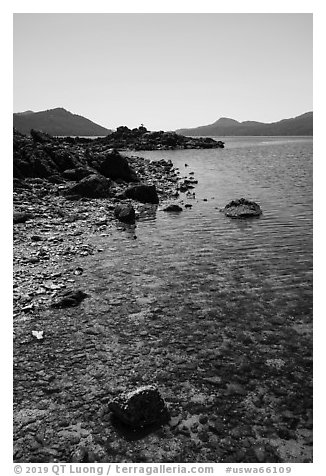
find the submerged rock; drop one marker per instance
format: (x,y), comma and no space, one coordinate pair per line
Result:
(173,208)
(21,217)
(125,213)
(143,193)
(141,407)
(242,209)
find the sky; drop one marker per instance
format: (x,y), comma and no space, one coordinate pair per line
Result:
(166,71)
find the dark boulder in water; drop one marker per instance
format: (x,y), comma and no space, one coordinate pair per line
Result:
(242,208)
(93,186)
(173,208)
(143,193)
(125,213)
(21,217)
(141,407)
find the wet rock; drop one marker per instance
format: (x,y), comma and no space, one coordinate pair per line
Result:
(93,186)
(21,217)
(141,407)
(36,238)
(70,299)
(143,193)
(125,213)
(242,208)
(173,208)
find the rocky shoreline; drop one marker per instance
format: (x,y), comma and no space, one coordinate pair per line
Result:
(73,362)
(57,222)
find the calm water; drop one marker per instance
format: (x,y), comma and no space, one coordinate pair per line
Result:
(202,259)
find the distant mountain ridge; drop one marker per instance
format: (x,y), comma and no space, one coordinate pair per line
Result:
(57,122)
(297,126)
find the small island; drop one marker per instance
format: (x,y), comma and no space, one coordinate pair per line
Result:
(142,139)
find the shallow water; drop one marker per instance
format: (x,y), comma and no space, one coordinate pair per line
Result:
(262,265)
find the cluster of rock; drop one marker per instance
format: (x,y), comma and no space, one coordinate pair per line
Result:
(91,170)
(142,139)
(58,160)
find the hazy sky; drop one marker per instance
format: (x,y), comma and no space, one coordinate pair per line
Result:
(164,70)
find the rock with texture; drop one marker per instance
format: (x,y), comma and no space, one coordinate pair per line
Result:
(173,208)
(141,407)
(93,186)
(143,193)
(77,174)
(113,165)
(125,213)
(70,299)
(242,209)
(21,217)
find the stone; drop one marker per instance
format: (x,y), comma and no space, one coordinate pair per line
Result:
(141,407)
(113,165)
(173,208)
(42,137)
(21,217)
(125,213)
(242,208)
(93,186)
(70,299)
(77,174)
(143,193)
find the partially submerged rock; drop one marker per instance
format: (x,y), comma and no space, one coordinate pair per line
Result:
(141,407)
(173,207)
(143,193)
(125,213)
(242,209)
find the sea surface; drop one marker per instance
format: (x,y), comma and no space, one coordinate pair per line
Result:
(205,259)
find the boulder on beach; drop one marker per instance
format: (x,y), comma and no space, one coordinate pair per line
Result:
(143,193)
(173,207)
(93,186)
(125,213)
(242,208)
(113,165)
(141,407)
